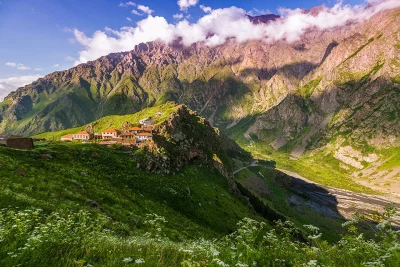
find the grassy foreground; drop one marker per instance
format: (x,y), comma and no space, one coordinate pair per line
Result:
(32,238)
(85,205)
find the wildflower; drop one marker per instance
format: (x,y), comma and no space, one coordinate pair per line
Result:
(315,236)
(377,263)
(312,263)
(139,261)
(129,259)
(312,228)
(215,253)
(239,264)
(221,263)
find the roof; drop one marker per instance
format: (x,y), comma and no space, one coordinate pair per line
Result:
(5,137)
(110,131)
(83,132)
(145,134)
(135,129)
(67,136)
(10,136)
(149,122)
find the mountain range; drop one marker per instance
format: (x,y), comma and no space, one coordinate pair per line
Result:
(330,98)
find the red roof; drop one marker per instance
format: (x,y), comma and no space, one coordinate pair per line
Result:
(145,134)
(110,131)
(83,132)
(135,129)
(67,136)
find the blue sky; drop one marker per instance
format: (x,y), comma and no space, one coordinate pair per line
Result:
(37,36)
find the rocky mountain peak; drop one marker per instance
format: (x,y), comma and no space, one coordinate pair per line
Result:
(263,19)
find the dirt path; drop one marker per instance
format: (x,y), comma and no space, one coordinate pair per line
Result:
(253,164)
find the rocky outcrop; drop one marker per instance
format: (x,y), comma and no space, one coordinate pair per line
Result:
(185,138)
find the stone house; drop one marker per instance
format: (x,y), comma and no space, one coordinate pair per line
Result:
(68,137)
(140,137)
(19,142)
(84,135)
(109,134)
(149,123)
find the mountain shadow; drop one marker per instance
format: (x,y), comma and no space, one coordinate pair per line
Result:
(278,196)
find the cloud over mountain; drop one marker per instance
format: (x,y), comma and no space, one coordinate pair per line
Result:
(10,84)
(219,25)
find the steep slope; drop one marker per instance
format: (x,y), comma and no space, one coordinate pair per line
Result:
(345,114)
(181,178)
(331,97)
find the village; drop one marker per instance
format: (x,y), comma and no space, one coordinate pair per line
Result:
(128,136)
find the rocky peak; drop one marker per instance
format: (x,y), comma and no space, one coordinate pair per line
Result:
(185,137)
(263,19)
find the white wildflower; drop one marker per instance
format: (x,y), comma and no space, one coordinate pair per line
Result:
(139,261)
(129,259)
(315,236)
(312,263)
(311,227)
(221,263)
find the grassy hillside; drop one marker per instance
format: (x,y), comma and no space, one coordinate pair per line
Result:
(116,121)
(69,178)
(85,205)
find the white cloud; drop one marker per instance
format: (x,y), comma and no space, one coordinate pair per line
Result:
(19,66)
(100,44)
(220,25)
(257,12)
(56,65)
(145,9)
(127,4)
(11,64)
(206,9)
(185,4)
(69,58)
(10,84)
(38,69)
(128,19)
(23,67)
(135,12)
(178,16)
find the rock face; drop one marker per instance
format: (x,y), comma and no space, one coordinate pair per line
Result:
(186,137)
(297,96)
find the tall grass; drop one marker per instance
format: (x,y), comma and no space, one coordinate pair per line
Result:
(33,238)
